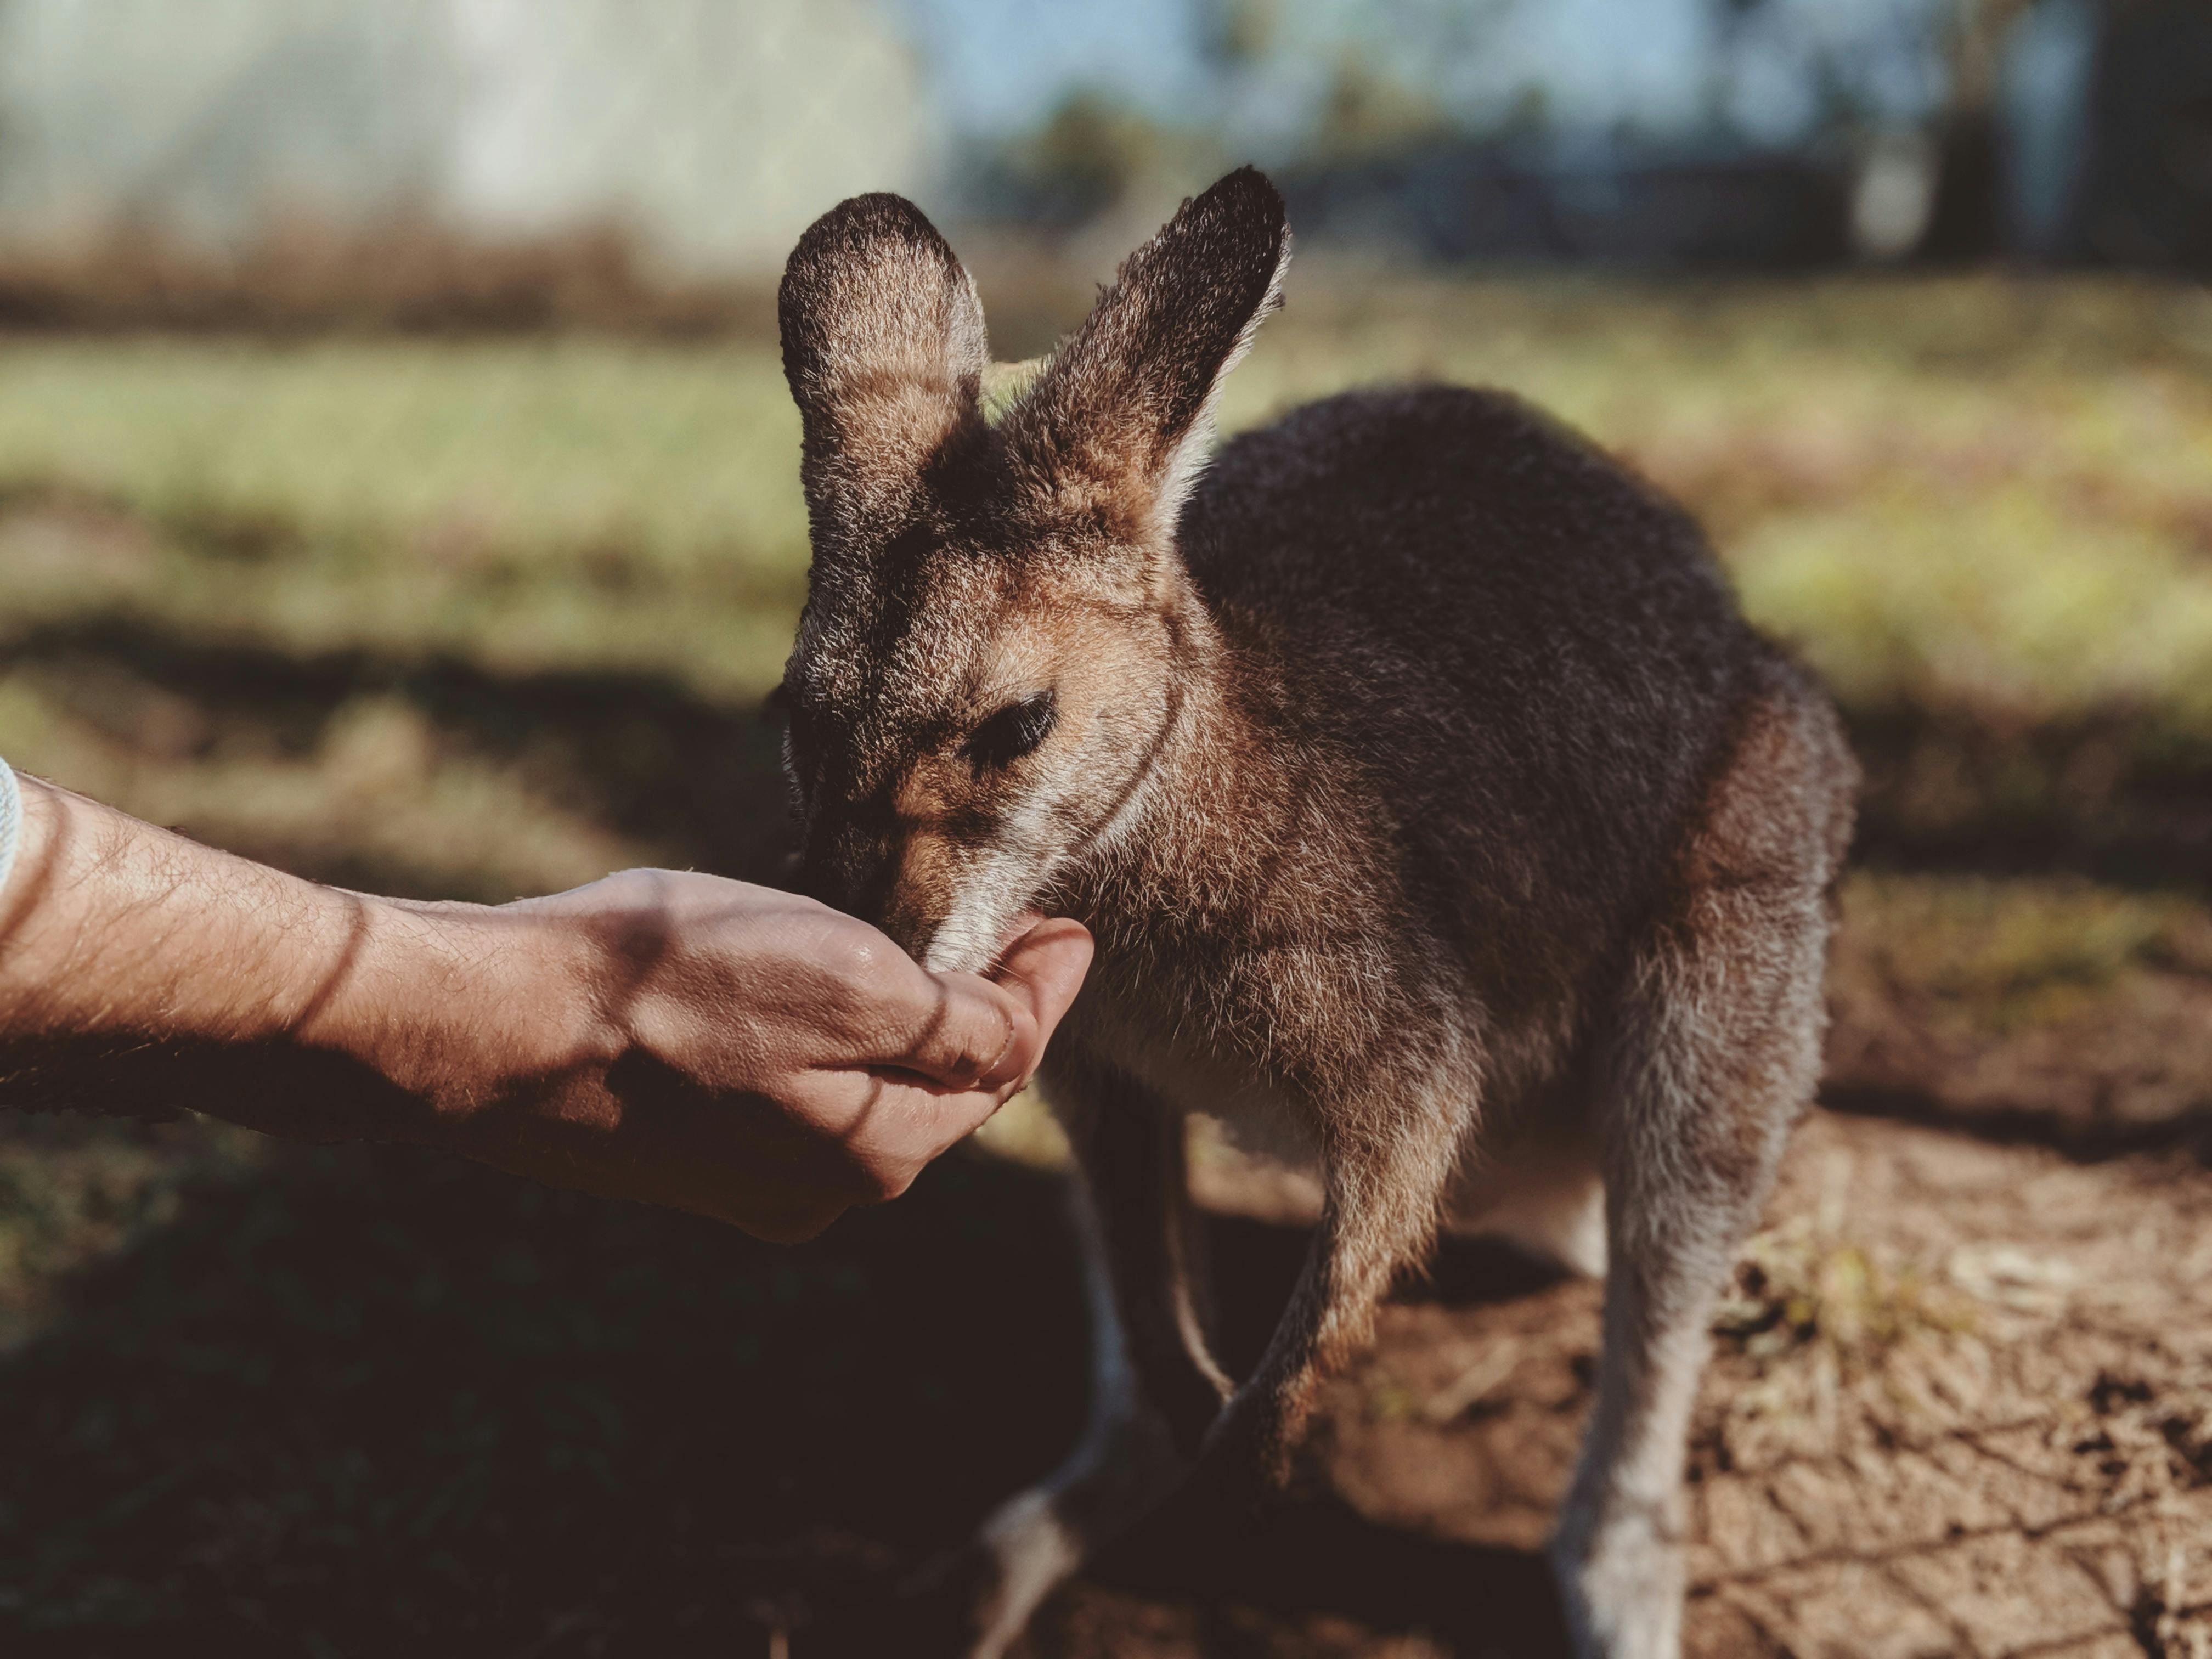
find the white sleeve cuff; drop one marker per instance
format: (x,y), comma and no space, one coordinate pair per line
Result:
(11,820)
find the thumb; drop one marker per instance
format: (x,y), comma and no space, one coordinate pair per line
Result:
(1043,969)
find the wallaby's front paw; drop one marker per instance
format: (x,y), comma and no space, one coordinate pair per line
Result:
(1247,1460)
(1620,1585)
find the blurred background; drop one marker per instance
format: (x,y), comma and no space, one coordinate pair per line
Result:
(397,484)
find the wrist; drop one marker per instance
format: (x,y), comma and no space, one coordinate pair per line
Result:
(469,1010)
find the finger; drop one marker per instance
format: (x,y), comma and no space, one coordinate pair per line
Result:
(986,1034)
(1046,966)
(968,1029)
(937,1119)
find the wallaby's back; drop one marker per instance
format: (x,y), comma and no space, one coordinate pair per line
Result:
(1532,657)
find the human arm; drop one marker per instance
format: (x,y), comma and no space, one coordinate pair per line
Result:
(672,1038)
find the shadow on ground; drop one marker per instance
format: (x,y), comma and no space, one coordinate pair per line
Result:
(363,1402)
(2104,796)
(1311,1578)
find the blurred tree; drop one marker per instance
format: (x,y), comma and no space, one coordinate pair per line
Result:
(1233,33)
(1087,157)
(1370,111)
(1979,36)
(2142,178)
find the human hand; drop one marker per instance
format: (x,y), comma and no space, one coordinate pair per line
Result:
(702,1043)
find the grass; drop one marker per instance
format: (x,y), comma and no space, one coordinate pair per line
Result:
(1797,1286)
(75,1191)
(531,504)
(490,616)
(2007,953)
(1951,490)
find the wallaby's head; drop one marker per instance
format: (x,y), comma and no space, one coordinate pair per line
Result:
(993,651)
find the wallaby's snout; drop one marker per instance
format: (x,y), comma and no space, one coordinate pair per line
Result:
(848,865)
(888,836)
(947,805)
(919,878)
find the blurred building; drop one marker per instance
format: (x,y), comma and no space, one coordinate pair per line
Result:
(2114,156)
(709,131)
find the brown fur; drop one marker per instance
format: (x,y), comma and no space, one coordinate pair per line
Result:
(1416,773)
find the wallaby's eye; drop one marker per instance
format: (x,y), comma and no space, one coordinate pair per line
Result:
(1014,731)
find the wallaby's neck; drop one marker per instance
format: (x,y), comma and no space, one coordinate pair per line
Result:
(1219,798)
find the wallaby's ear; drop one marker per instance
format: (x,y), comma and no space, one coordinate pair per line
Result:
(884,350)
(1124,412)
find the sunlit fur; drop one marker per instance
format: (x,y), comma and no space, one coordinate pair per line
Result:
(1425,791)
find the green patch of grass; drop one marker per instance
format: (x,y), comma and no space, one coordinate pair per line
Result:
(1796,1288)
(2004,954)
(380,789)
(533,504)
(1822,1319)
(2003,603)
(680,455)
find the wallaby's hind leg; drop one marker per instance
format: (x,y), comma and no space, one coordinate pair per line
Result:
(1155,1386)
(1714,1055)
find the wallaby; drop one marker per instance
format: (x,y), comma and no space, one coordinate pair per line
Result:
(1424,788)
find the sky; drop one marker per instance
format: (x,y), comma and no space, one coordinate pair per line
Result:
(1002,64)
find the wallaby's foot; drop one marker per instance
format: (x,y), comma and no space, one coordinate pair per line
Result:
(1620,1584)
(1021,1556)
(973,1602)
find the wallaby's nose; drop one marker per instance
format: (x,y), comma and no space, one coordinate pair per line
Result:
(843,865)
(834,866)
(895,882)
